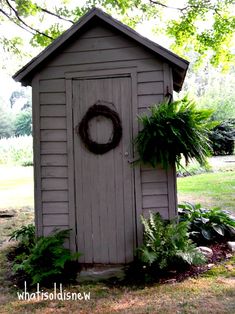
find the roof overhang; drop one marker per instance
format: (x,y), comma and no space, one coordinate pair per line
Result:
(178,64)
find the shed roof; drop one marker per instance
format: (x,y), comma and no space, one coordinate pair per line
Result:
(178,64)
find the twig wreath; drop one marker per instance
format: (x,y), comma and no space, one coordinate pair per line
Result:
(100,109)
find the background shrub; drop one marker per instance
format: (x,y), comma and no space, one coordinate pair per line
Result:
(222,138)
(16,150)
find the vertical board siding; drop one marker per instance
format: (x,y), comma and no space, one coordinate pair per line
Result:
(106,228)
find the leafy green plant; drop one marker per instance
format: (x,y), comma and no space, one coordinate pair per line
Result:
(166,242)
(222,138)
(13,153)
(23,123)
(192,168)
(47,261)
(173,130)
(25,235)
(207,224)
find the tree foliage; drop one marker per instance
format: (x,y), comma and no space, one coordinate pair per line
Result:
(16,117)
(23,123)
(222,138)
(6,122)
(204,26)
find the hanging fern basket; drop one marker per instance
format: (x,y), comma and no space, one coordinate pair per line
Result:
(174,130)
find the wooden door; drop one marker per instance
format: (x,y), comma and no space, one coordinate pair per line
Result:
(104,184)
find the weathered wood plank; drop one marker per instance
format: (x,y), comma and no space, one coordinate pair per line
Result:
(55,196)
(54,172)
(71,178)
(54,72)
(78,169)
(53,123)
(52,86)
(172,192)
(146,101)
(55,220)
(37,160)
(110,42)
(154,188)
(52,98)
(163,211)
(75,58)
(168,79)
(55,207)
(150,76)
(137,175)
(129,211)
(150,88)
(153,176)
(155,201)
(53,135)
(53,111)
(54,160)
(57,184)
(54,148)
(48,230)
(97,31)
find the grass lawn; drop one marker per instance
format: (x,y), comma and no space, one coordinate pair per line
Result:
(214,292)
(209,189)
(16,187)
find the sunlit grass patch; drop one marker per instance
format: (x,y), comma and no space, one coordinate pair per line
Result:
(209,189)
(16,187)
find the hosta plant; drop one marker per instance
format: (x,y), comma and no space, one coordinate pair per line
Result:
(207,224)
(173,130)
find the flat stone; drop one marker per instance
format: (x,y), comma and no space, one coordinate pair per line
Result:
(7,213)
(169,281)
(101,273)
(231,245)
(206,251)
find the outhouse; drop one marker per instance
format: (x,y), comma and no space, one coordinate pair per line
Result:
(88,87)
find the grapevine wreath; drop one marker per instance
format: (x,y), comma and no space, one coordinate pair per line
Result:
(99,109)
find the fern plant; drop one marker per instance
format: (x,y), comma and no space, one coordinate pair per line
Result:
(25,235)
(47,261)
(167,241)
(172,130)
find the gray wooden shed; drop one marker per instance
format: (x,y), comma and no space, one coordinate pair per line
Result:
(100,197)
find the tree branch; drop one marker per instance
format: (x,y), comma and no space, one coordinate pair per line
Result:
(54,14)
(12,20)
(28,26)
(166,6)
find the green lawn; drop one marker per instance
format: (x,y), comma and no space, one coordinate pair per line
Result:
(16,187)
(212,293)
(209,189)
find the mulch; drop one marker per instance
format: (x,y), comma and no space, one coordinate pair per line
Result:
(221,253)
